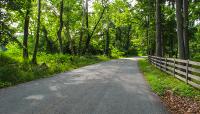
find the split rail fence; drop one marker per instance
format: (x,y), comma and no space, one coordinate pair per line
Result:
(185,70)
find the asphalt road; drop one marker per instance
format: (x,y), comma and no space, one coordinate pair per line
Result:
(114,87)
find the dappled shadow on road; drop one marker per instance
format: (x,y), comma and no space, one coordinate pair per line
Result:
(114,87)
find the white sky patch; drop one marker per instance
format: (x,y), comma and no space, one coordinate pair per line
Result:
(132,2)
(19,34)
(90,5)
(14,24)
(2,10)
(53,9)
(197,22)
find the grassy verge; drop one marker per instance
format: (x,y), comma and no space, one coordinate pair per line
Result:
(13,70)
(160,82)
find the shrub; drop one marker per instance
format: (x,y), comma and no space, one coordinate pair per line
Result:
(117,53)
(14,70)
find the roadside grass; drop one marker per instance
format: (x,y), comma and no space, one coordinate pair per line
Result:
(13,70)
(160,82)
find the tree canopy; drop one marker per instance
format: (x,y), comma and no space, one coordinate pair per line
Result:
(110,27)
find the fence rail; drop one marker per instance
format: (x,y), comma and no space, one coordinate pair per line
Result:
(185,70)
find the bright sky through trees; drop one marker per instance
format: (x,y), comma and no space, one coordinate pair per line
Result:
(132,2)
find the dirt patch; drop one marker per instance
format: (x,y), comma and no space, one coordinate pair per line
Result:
(180,105)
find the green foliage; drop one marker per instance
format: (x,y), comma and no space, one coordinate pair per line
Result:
(4,84)
(14,71)
(195,43)
(160,82)
(139,46)
(115,53)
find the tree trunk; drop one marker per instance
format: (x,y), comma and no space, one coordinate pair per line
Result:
(158,29)
(87,27)
(26,33)
(82,29)
(147,35)
(69,38)
(128,38)
(107,48)
(34,59)
(179,22)
(118,36)
(61,26)
(80,42)
(49,43)
(89,36)
(185,28)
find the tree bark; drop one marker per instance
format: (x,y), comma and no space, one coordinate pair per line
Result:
(69,38)
(34,59)
(49,43)
(61,26)
(147,35)
(87,28)
(179,22)
(26,33)
(185,28)
(128,38)
(118,34)
(158,29)
(82,29)
(107,48)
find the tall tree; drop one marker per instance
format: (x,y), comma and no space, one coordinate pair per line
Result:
(34,59)
(185,28)
(61,27)
(107,48)
(179,19)
(158,29)
(127,46)
(87,26)
(49,43)
(82,28)
(26,27)
(89,35)
(147,34)
(107,45)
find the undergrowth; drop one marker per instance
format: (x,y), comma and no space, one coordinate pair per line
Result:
(13,70)
(160,82)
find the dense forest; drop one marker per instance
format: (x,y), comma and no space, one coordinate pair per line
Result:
(48,36)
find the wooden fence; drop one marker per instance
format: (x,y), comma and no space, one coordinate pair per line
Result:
(185,70)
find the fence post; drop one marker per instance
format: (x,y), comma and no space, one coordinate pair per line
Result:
(159,63)
(149,57)
(174,66)
(166,64)
(187,65)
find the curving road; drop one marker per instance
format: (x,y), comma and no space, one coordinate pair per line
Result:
(114,87)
